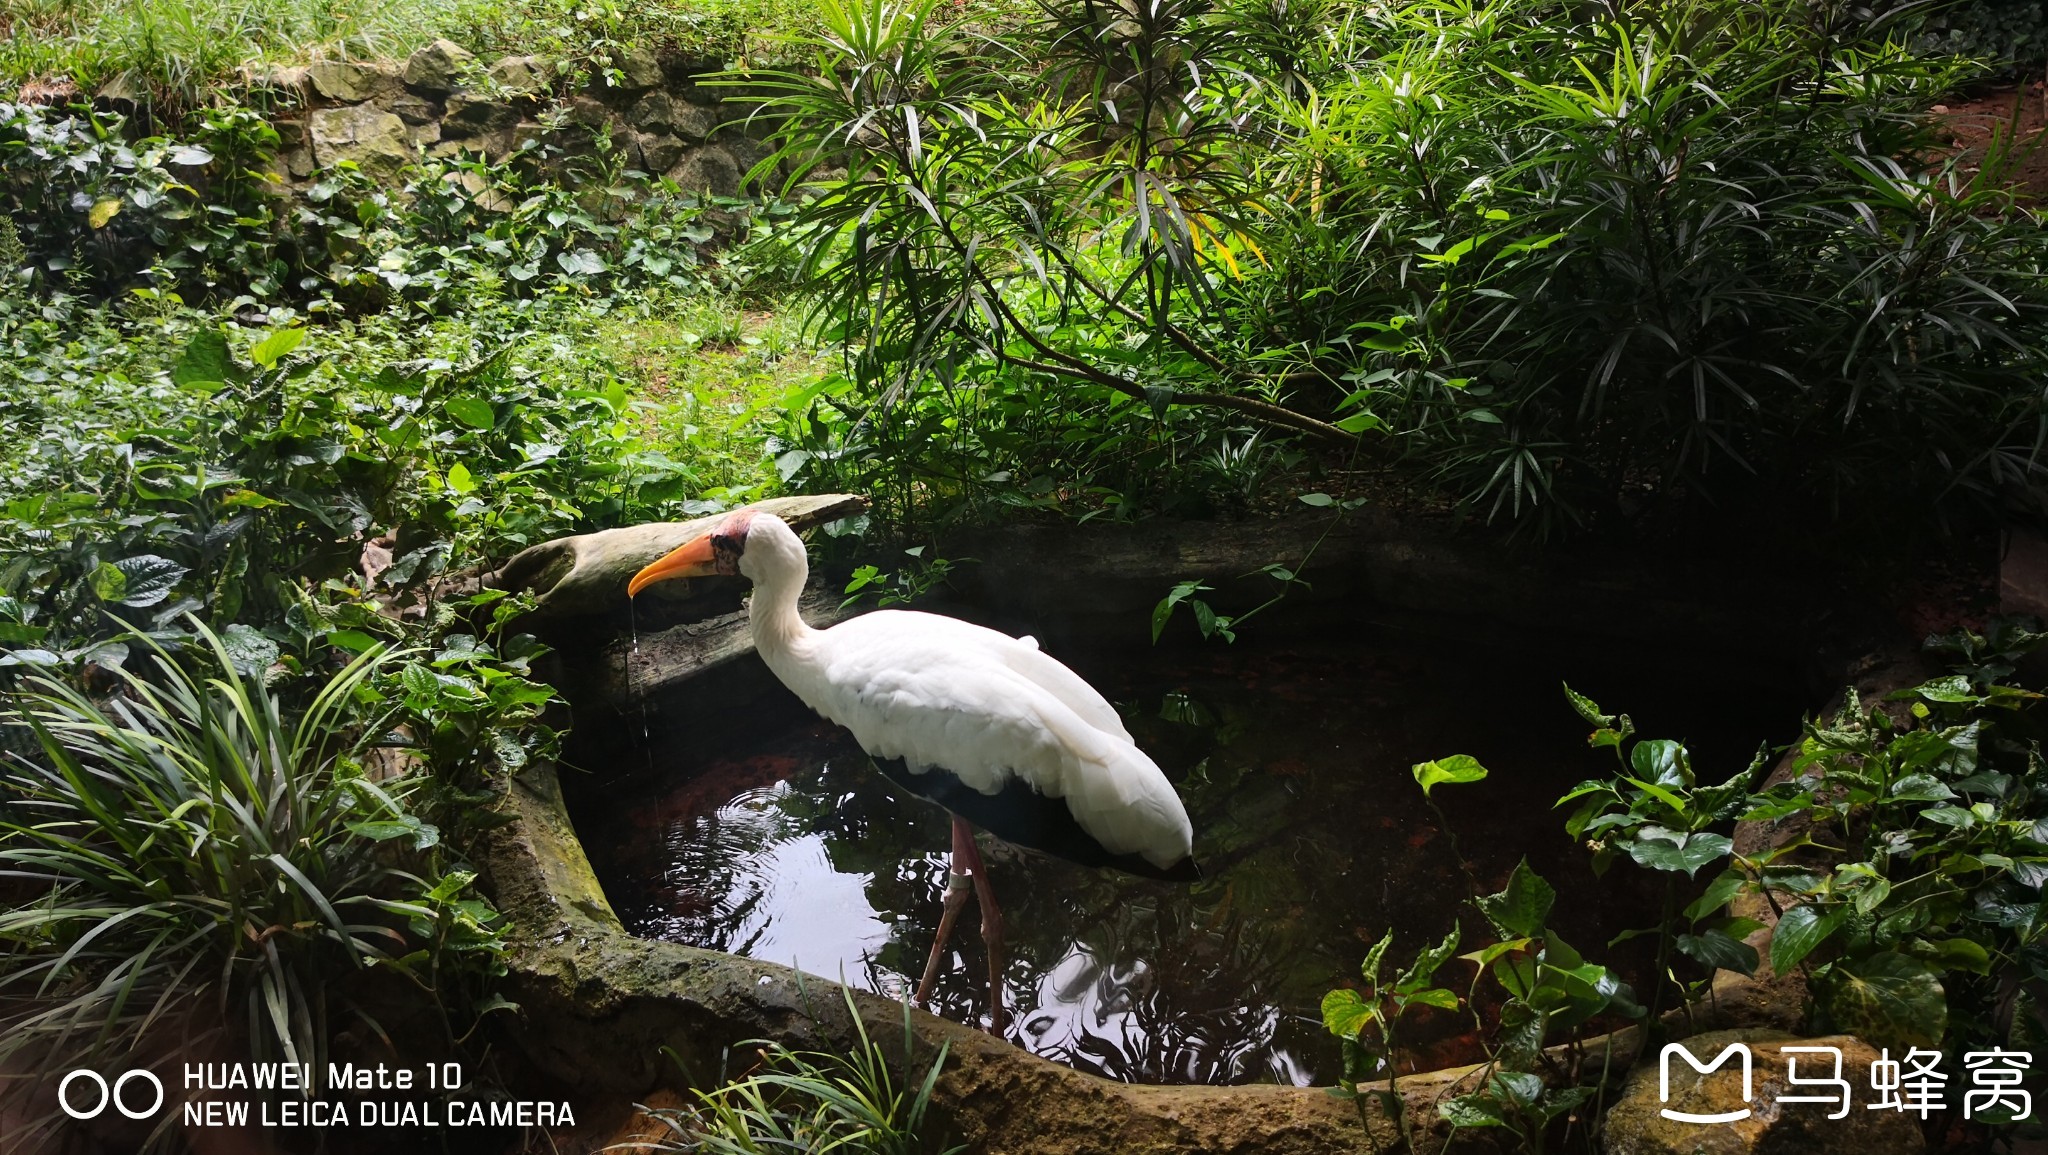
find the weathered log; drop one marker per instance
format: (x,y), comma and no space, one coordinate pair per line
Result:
(588,573)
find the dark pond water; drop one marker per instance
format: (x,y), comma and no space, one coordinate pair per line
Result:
(778,841)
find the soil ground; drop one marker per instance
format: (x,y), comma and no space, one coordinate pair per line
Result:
(1974,123)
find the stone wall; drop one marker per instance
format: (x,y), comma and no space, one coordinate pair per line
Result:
(443,102)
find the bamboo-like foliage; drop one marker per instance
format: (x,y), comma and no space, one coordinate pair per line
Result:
(195,846)
(1083,173)
(1579,263)
(1609,258)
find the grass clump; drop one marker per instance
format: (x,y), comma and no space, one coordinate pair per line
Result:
(812,1103)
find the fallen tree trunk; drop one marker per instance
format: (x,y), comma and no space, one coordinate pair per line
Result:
(588,573)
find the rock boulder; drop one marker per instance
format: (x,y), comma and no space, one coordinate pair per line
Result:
(638,69)
(470,115)
(350,82)
(437,67)
(374,139)
(709,169)
(520,73)
(1637,1125)
(660,112)
(659,151)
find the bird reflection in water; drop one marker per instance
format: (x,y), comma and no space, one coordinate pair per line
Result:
(827,873)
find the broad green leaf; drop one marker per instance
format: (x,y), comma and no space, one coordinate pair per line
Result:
(1520,910)
(1959,817)
(1370,968)
(1921,788)
(1954,689)
(1661,849)
(453,884)
(474,412)
(383,830)
(1345,1013)
(1662,761)
(459,479)
(1803,928)
(248,648)
(1955,954)
(1719,893)
(1319,500)
(1486,954)
(107,582)
(1457,768)
(1435,997)
(1428,961)
(1587,708)
(419,681)
(148,579)
(1714,949)
(1472,1111)
(272,349)
(1669,799)
(1888,1000)
(1518,1087)
(206,361)
(1516,974)
(1521,1034)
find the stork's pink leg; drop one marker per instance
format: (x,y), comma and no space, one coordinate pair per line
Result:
(957,885)
(991,934)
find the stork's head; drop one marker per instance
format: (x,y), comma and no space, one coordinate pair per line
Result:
(754,545)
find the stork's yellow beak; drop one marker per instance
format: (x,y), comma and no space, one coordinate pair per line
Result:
(691,559)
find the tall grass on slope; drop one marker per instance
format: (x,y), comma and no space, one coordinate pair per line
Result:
(167,54)
(170,56)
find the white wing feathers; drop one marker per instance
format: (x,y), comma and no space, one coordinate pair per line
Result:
(943,636)
(936,691)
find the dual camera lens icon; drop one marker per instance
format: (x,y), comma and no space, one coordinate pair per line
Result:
(119,1095)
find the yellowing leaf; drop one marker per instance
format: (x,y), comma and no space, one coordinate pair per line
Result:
(1454,769)
(102,212)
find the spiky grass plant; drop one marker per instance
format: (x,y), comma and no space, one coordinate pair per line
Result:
(188,856)
(812,1103)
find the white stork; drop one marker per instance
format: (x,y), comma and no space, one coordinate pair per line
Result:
(1001,735)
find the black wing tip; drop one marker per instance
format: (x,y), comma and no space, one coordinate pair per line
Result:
(1185,870)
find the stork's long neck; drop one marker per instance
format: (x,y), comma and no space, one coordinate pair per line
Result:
(779,630)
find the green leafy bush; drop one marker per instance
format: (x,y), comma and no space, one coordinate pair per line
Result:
(1908,891)
(1906,876)
(2009,33)
(202,853)
(204,215)
(95,208)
